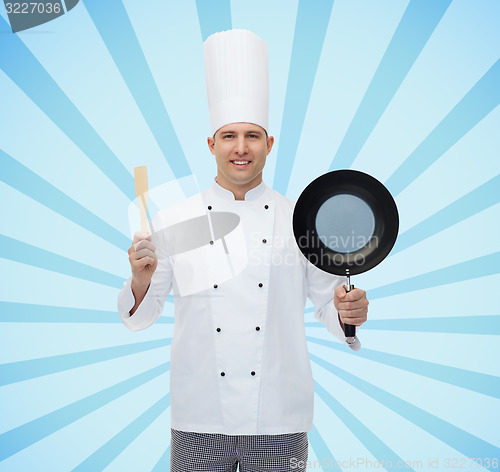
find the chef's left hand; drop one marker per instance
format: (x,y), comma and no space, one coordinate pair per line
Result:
(352,306)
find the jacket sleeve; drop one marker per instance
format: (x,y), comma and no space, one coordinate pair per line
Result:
(151,306)
(321,289)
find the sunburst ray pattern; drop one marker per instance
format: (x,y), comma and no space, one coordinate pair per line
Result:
(408,91)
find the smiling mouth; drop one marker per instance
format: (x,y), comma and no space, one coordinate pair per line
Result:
(241,162)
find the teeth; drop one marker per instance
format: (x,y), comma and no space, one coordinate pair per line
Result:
(241,162)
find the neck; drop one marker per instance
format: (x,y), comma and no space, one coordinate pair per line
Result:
(239,190)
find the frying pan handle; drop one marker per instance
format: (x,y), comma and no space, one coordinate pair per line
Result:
(349,330)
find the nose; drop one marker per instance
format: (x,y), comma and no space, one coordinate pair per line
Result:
(241,146)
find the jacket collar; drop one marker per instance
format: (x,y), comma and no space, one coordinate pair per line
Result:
(253,194)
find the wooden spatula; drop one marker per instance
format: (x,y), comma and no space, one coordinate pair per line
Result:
(141,190)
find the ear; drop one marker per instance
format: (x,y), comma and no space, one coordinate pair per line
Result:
(211,144)
(270,142)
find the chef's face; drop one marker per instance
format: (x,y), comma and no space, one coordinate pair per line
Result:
(240,150)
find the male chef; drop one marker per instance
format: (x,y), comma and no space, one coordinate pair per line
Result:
(241,382)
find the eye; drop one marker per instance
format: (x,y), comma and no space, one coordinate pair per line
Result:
(227,136)
(253,136)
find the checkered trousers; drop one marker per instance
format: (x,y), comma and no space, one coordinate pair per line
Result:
(213,452)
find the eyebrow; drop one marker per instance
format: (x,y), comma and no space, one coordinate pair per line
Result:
(246,132)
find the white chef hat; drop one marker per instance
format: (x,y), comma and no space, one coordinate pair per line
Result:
(237,77)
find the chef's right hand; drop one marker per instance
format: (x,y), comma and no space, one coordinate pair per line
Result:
(143,260)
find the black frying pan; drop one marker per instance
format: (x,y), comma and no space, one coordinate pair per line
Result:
(345,223)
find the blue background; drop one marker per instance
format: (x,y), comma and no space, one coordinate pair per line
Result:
(407,91)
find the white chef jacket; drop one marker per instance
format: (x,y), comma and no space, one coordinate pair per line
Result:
(239,359)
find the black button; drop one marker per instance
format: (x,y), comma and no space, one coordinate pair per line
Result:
(266,206)
(253,373)
(257,328)
(211,242)
(215,285)
(209,207)
(260,285)
(222,374)
(218,330)
(264,241)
